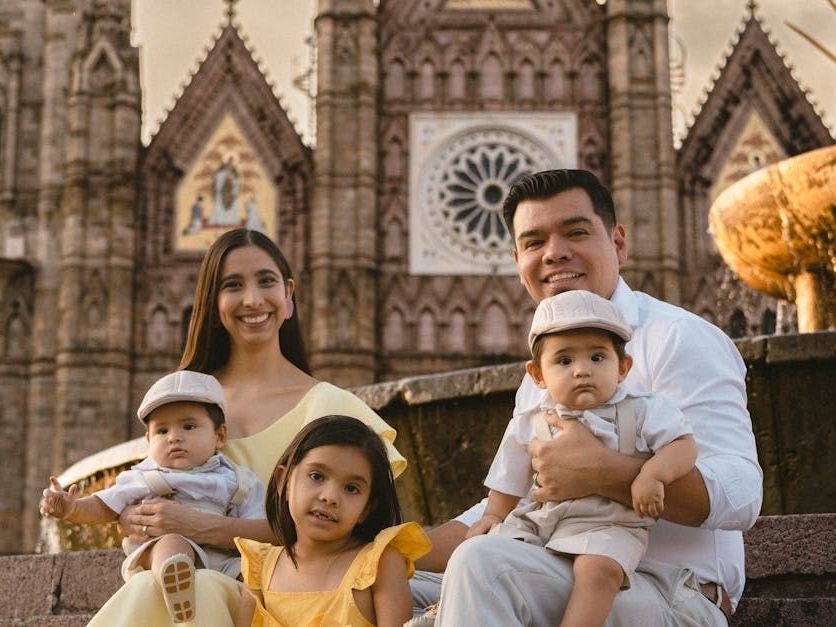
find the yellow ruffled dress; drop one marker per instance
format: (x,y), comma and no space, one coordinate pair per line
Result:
(326,608)
(139,602)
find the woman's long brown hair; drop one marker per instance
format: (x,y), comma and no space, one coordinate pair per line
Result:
(207,343)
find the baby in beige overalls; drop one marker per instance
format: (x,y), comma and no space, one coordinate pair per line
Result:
(578,343)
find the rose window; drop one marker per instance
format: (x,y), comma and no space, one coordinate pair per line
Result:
(464,187)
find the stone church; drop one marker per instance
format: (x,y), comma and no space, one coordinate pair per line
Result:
(426,112)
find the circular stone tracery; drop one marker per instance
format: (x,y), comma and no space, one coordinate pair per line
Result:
(464,187)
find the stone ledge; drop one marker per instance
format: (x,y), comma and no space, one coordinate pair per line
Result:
(58,585)
(441,387)
(800,544)
(774,349)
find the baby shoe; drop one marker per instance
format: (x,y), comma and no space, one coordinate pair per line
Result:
(177,581)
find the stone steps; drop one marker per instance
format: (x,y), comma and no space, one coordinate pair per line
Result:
(790,569)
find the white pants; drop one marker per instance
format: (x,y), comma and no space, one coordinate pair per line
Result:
(496,581)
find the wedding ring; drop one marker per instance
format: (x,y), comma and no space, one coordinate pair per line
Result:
(145,530)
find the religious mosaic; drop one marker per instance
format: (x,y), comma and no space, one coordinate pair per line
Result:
(227,187)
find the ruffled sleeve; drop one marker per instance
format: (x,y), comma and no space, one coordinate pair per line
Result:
(334,400)
(253,557)
(407,539)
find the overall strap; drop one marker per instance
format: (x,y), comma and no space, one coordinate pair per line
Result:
(156,481)
(625,420)
(542,429)
(242,488)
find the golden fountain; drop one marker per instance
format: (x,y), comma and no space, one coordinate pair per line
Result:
(776,228)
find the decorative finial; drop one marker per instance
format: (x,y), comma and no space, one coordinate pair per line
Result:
(752,5)
(230,10)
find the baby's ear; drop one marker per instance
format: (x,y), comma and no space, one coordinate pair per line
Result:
(624,367)
(535,373)
(220,433)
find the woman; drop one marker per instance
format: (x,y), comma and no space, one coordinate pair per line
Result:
(244,330)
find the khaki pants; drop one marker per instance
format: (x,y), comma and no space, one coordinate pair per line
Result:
(495,581)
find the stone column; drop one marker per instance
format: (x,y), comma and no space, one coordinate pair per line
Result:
(57,37)
(342,225)
(643,180)
(95,295)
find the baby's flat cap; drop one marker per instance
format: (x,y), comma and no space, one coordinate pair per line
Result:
(182,386)
(577,309)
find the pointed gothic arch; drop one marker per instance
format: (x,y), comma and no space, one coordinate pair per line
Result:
(426,331)
(525,88)
(425,85)
(157,330)
(394,331)
(394,80)
(493,334)
(101,67)
(457,81)
(456,338)
(491,78)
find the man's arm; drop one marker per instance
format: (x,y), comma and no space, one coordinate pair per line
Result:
(445,538)
(577,464)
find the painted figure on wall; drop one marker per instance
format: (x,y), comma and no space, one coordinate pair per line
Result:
(196,218)
(227,185)
(253,219)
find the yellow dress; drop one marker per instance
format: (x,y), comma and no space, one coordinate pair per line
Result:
(326,608)
(139,603)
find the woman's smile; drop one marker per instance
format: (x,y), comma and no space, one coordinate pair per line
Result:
(253,298)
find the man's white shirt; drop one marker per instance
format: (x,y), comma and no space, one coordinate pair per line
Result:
(692,363)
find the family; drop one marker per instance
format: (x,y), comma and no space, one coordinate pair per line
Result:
(618,494)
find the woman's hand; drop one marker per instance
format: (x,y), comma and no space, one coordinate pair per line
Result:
(567,466)
(157,517)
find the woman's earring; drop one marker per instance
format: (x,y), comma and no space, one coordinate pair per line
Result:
(288,314)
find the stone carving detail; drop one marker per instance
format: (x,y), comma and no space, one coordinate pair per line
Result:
(457,332)
(16,335)
(393,332)
(426,331)
(157,334)
(493,334)
(458,183)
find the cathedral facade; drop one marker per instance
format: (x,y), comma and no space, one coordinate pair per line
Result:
(426,112)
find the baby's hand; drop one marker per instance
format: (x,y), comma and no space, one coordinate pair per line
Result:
(648,496)
(57,503)
(483,525)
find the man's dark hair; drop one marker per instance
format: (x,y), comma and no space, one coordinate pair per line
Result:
(549,183)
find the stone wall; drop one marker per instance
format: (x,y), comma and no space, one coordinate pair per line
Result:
(450,424)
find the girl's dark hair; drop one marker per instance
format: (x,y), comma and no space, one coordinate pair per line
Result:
(383,509)
(207,342)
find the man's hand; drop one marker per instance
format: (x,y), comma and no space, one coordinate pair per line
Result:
(648,496)
(57,503)
(566,465)
(483,525)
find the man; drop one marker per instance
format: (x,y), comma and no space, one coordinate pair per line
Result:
(566,237)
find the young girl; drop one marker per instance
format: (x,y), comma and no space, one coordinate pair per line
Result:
(344,557)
